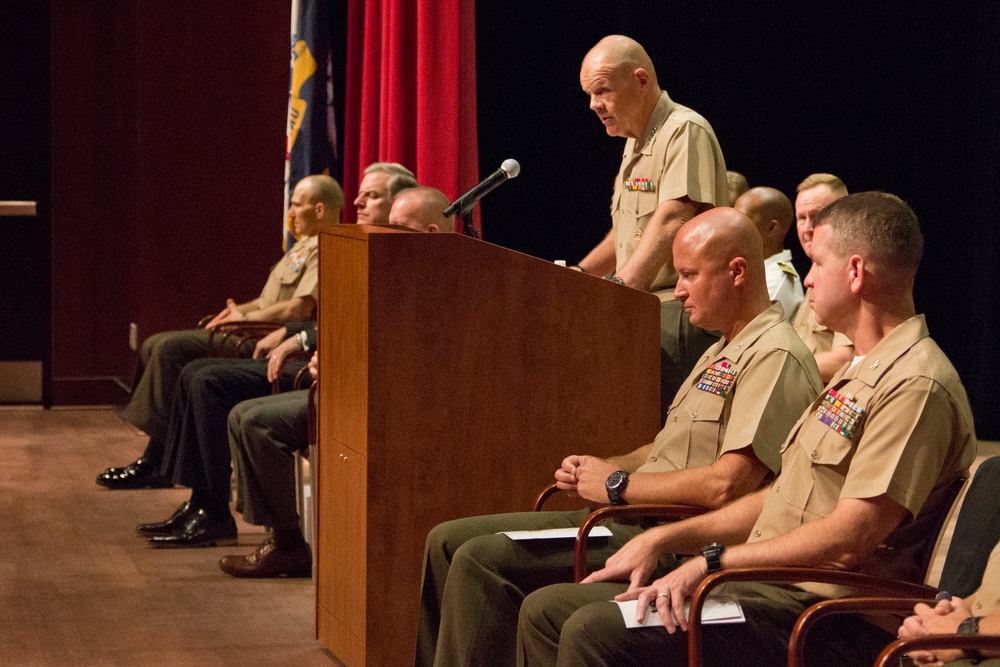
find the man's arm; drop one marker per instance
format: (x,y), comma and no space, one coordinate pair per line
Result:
(944,619)
(733,475)
(568,474)
(296,309)
(637,560)
(844,540)
(601,260)
(655,248)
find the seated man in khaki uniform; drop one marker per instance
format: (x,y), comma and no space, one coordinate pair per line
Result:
(771,213)
(864,472)
(288,296)
(719,442)
(979,613)
(831,349)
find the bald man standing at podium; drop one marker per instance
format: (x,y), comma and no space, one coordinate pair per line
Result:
(672,169)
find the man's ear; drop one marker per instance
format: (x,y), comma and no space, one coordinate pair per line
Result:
(320,209)
(433,227)
(738,267)
(856,273)
(642,76)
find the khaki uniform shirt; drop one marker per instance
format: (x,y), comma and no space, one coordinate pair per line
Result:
(897,423)
(816,336)
(677,156)
(986,599)
(745,393)
(297,274)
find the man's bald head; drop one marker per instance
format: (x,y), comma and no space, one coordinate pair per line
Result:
(771,213)
(619,77)
(621,53)
(719,257)
(421,209)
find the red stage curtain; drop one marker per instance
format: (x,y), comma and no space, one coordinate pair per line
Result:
(411,92)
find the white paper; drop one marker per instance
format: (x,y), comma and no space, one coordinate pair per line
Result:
(717,609)
(553,533)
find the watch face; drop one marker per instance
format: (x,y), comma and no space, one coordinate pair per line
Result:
(615,479)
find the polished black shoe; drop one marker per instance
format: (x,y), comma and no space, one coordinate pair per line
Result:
(171,525)
(200,530)
(138,475)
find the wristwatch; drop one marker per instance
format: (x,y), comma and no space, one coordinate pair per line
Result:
(713,555)
(970,626)
(616,483)
(616,279)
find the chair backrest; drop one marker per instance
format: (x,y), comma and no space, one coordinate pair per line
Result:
(977,531)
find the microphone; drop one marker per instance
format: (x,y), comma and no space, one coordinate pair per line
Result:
(463,205)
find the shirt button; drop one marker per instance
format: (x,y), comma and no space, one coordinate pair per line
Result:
(675,417)
(652,458)
(815,455)
(694,415)
(756,533)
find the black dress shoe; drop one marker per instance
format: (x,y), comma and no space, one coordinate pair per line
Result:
(138,475)
(200,530)
(171,525)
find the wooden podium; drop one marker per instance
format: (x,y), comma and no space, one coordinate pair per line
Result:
(456,376)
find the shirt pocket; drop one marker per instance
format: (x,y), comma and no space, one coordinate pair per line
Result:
(640,206)
(290,271)
(707,432)
(827,454)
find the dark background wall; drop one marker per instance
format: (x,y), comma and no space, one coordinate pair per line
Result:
(896,96)
(167,172)
(167,142)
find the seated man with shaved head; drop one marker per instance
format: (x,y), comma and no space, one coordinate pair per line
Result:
(672,169)
(720,442)
(865,474)
(772,214)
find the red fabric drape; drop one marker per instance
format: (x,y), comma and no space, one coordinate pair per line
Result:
(411,92)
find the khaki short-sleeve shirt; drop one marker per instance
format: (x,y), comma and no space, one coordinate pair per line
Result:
(897,423)
(677,156)
(986,599)
(745,393)
(296,274)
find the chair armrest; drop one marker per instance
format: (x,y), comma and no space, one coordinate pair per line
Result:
(790,575)
(291,356)
(859,605)
(237,333)
(674,512)
(549,490)
(892,653)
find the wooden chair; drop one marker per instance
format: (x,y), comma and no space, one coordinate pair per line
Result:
(875,585)
(977,532)
(621,513)
(236,339)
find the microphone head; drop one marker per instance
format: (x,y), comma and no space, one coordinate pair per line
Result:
(511,168)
